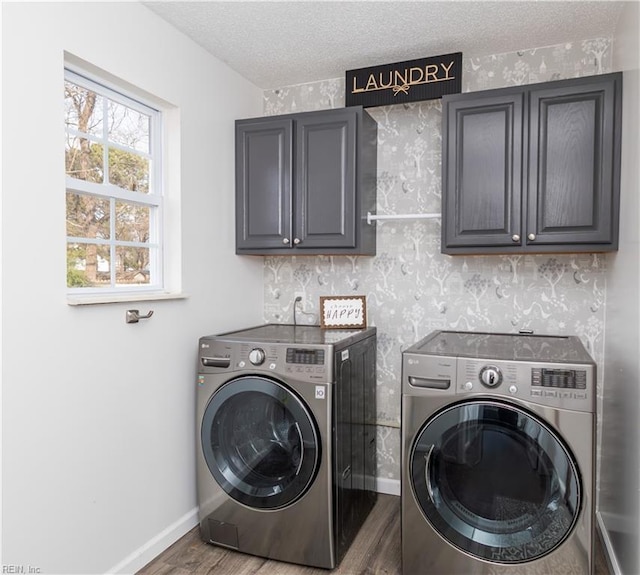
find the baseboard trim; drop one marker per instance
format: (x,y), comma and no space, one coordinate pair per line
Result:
(609,552)
(156,545)
(388,486)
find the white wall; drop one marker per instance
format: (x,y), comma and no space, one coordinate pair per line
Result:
(98,415)
(620,461)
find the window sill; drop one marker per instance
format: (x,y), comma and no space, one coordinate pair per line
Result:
(121,298)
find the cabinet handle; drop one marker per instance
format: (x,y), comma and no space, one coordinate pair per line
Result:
(296,241)
(515,238)
(531,237)
(285,241)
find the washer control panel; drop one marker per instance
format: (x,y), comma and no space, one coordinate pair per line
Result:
(310,363)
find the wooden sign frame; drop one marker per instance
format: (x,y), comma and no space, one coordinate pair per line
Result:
(343,312)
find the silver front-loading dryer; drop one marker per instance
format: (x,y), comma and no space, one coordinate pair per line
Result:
(497,455)
(286,440)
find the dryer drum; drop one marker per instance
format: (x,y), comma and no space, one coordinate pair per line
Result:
(495,481)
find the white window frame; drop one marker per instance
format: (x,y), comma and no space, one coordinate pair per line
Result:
(110,192)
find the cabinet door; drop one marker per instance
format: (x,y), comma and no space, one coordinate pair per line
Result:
(263,183)
(482,171)
(573,151)
(325,198)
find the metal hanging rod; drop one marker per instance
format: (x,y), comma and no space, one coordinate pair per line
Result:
(373,217)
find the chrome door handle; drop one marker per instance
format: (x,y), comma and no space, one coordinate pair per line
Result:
(301,448)
(531,237)
(285,241)
(427,464)
(296,241)
(515,238)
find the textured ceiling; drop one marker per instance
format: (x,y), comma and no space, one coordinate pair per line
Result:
(275,44)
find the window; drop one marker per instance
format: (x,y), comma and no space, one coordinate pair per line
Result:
(113,190)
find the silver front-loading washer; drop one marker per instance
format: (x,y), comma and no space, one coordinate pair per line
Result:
(286,456)
(498,452)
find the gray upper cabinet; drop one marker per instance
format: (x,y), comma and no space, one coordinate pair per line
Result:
(533,169)
(574,163)
(263,183)
(482,168)
(305,182)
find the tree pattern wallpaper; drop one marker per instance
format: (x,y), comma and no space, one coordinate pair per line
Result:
(411,288)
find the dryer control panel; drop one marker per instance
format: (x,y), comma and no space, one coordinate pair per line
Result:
(560,385)
(568,386)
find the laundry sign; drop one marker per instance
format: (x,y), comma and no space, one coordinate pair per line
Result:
(410,81)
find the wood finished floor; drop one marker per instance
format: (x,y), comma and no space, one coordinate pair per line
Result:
(375,551)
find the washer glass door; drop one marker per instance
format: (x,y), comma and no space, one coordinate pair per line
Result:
(495,481)
(260,442)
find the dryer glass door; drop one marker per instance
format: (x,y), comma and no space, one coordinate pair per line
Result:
(260,442)
(495,481)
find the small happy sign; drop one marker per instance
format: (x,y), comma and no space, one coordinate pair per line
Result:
(343,312)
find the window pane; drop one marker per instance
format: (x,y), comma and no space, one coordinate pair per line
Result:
(108,154)
(132,222)
(83,109)
(129,171)
(128,127)
(83,159)
(132,265)
(87,217)
(88,265)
